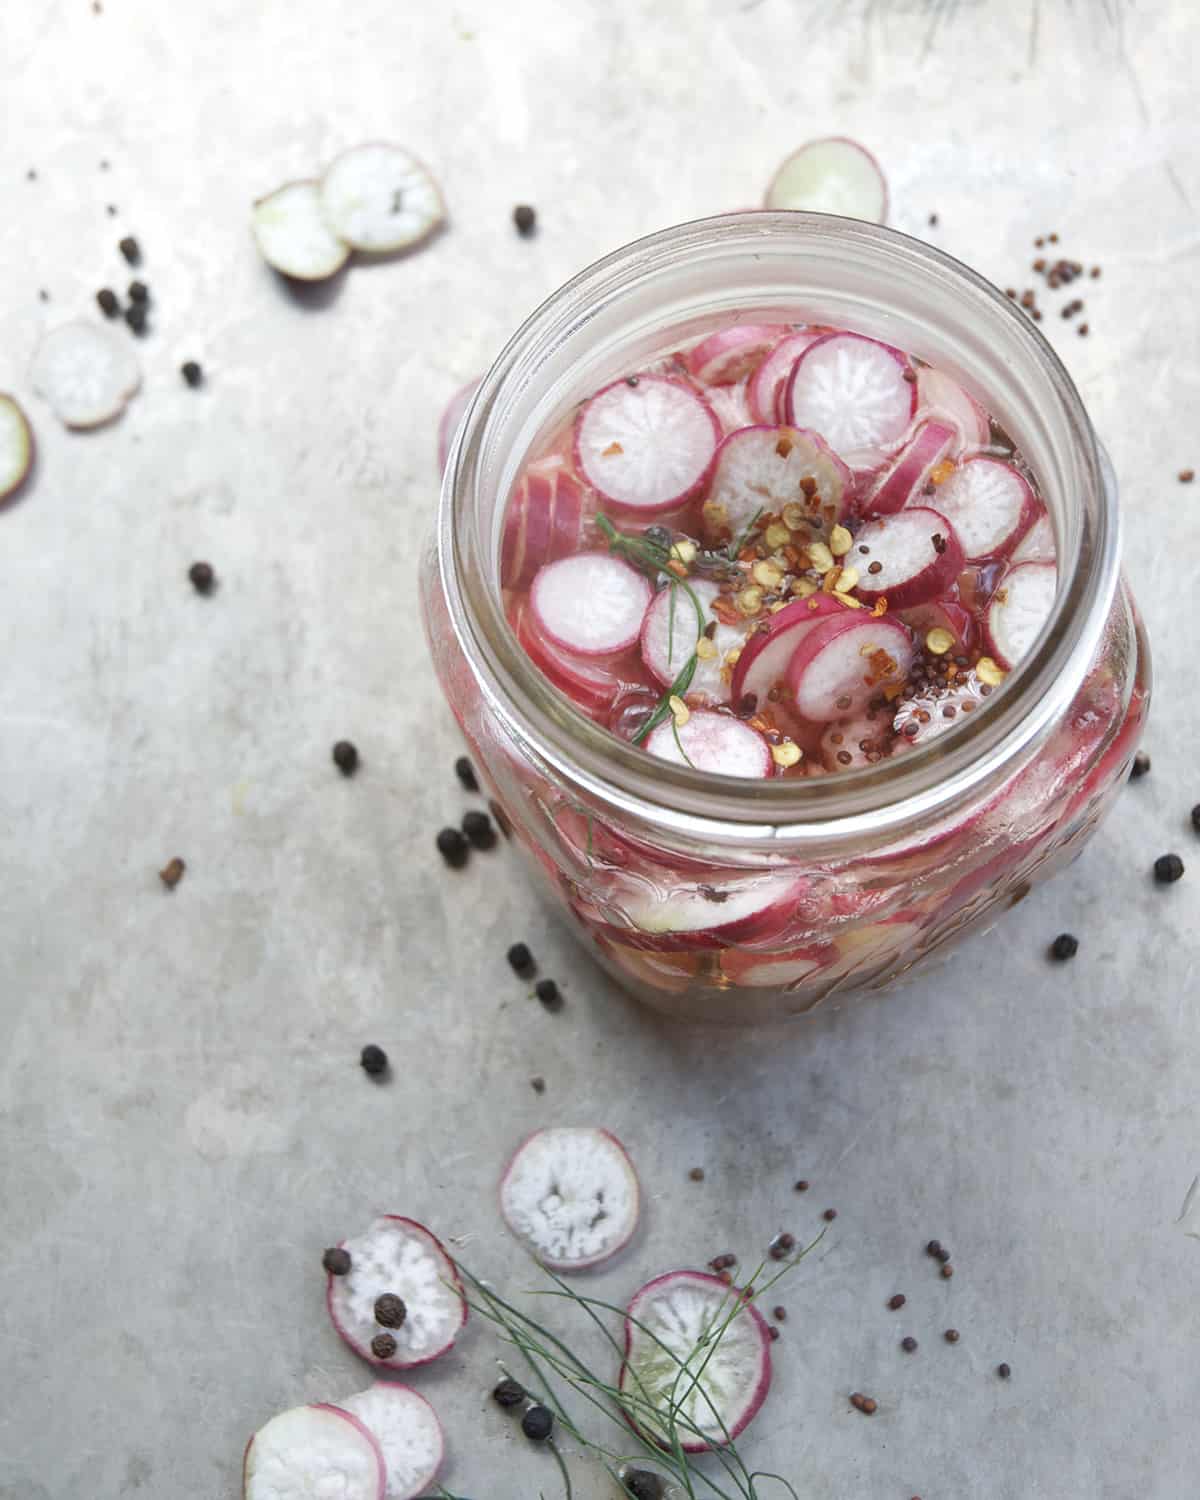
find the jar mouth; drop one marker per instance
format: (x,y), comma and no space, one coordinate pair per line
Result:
(834,270)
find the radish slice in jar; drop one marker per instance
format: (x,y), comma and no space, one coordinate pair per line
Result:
(944,400)
(759,470)
(16,447)
(831,176)
(592,685)
(1037,545)
(729,355)
(923,716)
(451,419)
(670,632)
(707,914)
(646,444)
(845,662)
(918,553)
(922,618)
(592,604)
(543,522)
(572,1196)
(731,405)
(712,742)
(380,198)
(767,382)
(86,373)
(293,237)
(408,1432)
(903,480)
(313,1450)
(859,394)
(398,1256)
(989,504)
(697,1362)
(1020,606)
(851,743)
(765,656)
(763,971)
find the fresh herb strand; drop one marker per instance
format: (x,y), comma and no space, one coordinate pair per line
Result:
(663,707)
(746,535)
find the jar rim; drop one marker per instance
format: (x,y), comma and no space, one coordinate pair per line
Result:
(929,779)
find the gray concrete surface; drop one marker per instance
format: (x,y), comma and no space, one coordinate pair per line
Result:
(182,1124)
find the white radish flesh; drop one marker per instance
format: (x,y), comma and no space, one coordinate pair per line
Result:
(1038,544)
(765,656)
(942,399)
(712,742)
(379,198)
(989,504)
(756,971)
(831,176)
(16,447)
(854,392)
(923,717)
(408,1432)
(709,913)
(906,476)
(592,604)
(292,234)
(768,381)
(593,685)
(313,1451)
(729,355)
(670,633)
(730,405)
(646,444)
(759,470)
(918,553)
(845,662)
(87,373)
(543,523)
(849,744)
(1019,608)
(451,420)
(399,1256)
(697,1361)
(572,1195)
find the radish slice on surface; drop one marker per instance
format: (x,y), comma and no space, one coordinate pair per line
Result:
(853,391)
(592,685)
(572,1195)
(919,557)
(845,662)
(765,656)
(831,176)
(16,447)
(1038,544)
(86,372)
(768,381)
(380,198)
(730,354)
(708,914)
(292,234)
(1020,607)
(758,471)
(647,445)
(989,504)
(667,644)
(712,742)
(944,400)
(592,603)
(400,1256)
(543,522)
(696,1353)
(902,481)
(408,1432)
(451,419)
(313,1451)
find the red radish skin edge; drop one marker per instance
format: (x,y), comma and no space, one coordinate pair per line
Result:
(661,507)
(789,394)
(909,470)
(734,351)
(769,381)
(920,588)
(591,693)
(608,649)
(381,1490)
(397,1388)
(817,642)
(592,1261)
(755,927)
(794,617)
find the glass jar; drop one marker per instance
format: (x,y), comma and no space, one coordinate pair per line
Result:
(717,899)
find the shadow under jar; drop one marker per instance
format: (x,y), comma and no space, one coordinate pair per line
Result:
(723,899)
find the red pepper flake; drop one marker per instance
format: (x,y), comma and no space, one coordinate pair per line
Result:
(1186,476)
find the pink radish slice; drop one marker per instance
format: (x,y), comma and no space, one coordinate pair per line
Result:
(379,198)
(408,1432)
(845,662)
(1038,544)
(1020,606)
(87,373)
(543,523)
(766,654)
(729,355)
(849,744)
(451,419)
(592,685)
(941,399)
(293,236)
(758,471)
(591,604)
(923,618)
(731,405)
(767,382)
(759,971)
(989,504)
(572,1195)
(646,446)
(667,644)
(901,482)
(831,176)
(919,557)
(706,914)
(853,391)
(16,447)
(400,1256)
(712,742)
(313,1450)
(697,1361)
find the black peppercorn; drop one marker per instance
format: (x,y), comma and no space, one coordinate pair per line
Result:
(135,317)
(202,577)
(107,299)
(951,1335)
(509,1393)
(383,1346)
(139,291)
(191,372)
(478,828)
(1065,945)
(658,536)
(373,1060)
(1004,1371)
(1168,868)
(345,757)
(130,249)
(548,993)
(453,847)
(897,1301)
(521,959)
(465,772)
(336,1261)
(537,1424)
(1141,764)
(390,1311)
(525,218)
(909,1344)
(1196,817)
(643,1484)
(172,873)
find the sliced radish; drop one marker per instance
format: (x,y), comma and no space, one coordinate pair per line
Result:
(857,393)
(989,504)
(16,447)
(380,198)
(831,176)
(768,381)
(731,405)
(712,742)
(761,971)
(292,234)
(591,604)
(86,372)
(926,715)
(1038,544)
(845,662)
(571,1194)
(697,1361)
(543,522)
(1020,607)
(592,685)
(451,419)
(408,1432)
(923,618)
(759,470)
(944,400)
(766,654)
(706,914)
(669,635)
(901,482)
(313,1451)
(730,354)
(851,743)
(918,553)
(400,1256)
(646,444)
